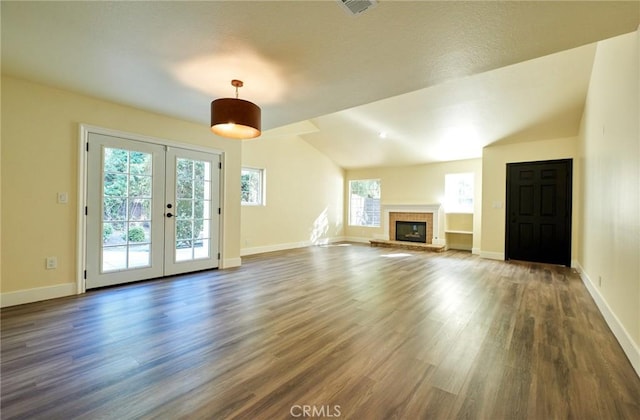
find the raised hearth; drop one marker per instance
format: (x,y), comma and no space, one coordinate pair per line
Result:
(414,246)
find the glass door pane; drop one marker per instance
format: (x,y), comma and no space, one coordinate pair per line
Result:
(125,220)
(126,209)
(193,209)
(193,190)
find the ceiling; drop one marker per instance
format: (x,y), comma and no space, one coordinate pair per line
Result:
(441,79)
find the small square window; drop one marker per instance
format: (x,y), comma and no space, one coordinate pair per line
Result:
(252,187)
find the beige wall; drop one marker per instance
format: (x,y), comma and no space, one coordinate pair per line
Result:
(420,184)
(610,155)
(40,128)
(0,187)
(303,196)
(494,172)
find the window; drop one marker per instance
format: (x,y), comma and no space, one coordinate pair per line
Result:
(252,187)
(364,202)
(458,193)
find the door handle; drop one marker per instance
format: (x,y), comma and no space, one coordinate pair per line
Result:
(169,215)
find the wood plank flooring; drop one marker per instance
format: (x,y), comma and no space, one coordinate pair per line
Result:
(347,331)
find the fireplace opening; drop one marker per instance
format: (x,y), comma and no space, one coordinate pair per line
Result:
(411,231)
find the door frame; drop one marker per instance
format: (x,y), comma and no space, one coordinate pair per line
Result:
(571,188)
(83,137)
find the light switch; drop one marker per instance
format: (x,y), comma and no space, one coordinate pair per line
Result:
(63,198)
(51,263)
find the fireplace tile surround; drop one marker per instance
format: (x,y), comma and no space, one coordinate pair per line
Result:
(411,217)
(430,213)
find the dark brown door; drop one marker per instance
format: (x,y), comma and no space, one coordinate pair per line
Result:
(539,211)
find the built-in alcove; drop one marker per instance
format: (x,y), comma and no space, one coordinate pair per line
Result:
(459,231)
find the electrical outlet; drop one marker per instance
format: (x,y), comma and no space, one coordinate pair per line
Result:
(63,198)
(51,263)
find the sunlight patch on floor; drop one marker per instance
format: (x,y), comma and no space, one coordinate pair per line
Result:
(398,255)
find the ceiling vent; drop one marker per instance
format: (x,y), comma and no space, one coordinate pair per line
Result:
(356,7)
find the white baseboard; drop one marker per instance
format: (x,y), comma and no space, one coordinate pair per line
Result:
(290,245)
(492,255)
(475,251)
(271,248)
(20,297)
(357,239)
(629,347)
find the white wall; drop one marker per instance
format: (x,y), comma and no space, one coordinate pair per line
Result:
(609,253)
(303,196)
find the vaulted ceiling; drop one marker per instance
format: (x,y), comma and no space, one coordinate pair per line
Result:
(441,80)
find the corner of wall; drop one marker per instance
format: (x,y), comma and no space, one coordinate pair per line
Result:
(231,262)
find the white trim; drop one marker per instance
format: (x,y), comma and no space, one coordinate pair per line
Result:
(20,297)
(293,245)
(274,247)
(81,226)
(263,186)
(629,347)
(223,211)
(492,255)
(435,209)
(475,251)
(84,130)
(358,239)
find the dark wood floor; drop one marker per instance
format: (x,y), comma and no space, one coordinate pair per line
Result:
(351,330)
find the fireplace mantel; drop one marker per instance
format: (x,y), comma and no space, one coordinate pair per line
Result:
(435,209)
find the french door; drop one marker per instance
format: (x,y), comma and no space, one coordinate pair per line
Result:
(152,211)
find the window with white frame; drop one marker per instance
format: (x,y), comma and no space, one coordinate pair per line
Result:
(364,202)
(458,192)
(252,187)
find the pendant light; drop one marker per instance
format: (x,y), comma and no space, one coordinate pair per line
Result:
(235,118)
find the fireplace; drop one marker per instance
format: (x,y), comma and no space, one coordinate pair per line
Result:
(431,214)
(411,231)
(412,218)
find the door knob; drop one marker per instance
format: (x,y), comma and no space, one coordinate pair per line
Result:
(169,215)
